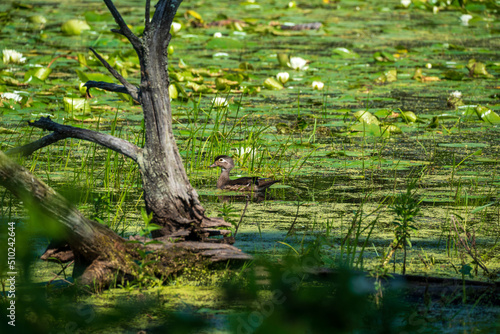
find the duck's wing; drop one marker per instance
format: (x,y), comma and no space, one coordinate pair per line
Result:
(244,181)
(263,184)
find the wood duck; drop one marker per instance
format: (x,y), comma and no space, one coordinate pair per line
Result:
(254,183)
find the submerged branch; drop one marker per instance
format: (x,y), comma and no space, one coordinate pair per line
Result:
(65,131)
(131,89)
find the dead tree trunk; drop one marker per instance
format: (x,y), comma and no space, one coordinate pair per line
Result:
(101,256)
(167,191)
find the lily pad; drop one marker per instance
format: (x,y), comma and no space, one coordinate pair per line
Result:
(224,43)
(273,84)
(345,53)
(488,115)
(74,27)
(76,104)
(366,117)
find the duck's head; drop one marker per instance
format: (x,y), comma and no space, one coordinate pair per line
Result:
(224,162)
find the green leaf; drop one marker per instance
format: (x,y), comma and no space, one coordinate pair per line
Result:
(172,91)
(488,115)
(366,117)
(224,43)
(408,116)
(74,27)
(382,56)
(345,53)
(478,69)
(76,104)
(283,59)
(273,84)
(41,73)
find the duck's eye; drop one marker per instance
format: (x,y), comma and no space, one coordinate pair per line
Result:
(221,160)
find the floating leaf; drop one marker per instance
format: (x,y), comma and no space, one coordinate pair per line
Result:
(246,66)
(199,88)
(224,43)
(93,16)
(38,19)
(478,69)
(345,53)
(408,116)
(195,15)
(76,104)
(206,72)
(176,76)
(84,77)
(453,75)
(387,77)
(224,84)
(283,59)
(273,84)
(391,128)
(383,57)
(40,73)
(488,115)
(172,92)
(422,78)
(74,27)
(370,129)
(366,117)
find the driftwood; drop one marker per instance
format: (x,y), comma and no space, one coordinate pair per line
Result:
(101,256)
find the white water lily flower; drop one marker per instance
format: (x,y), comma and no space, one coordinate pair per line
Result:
(217,35)
(406,3)
(176,27)
(283,77)
(243,151)
(465,19)
(456,94)
(13,57)
(219,102)
(318,85)
(428,65)
(12,96)
(298,63)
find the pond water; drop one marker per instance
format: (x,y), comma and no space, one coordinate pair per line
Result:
(341,174)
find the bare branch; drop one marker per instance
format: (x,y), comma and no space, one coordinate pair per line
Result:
(131,89)
(65,131)
(147,19)
(124,29)
(110,87)
(28,149)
